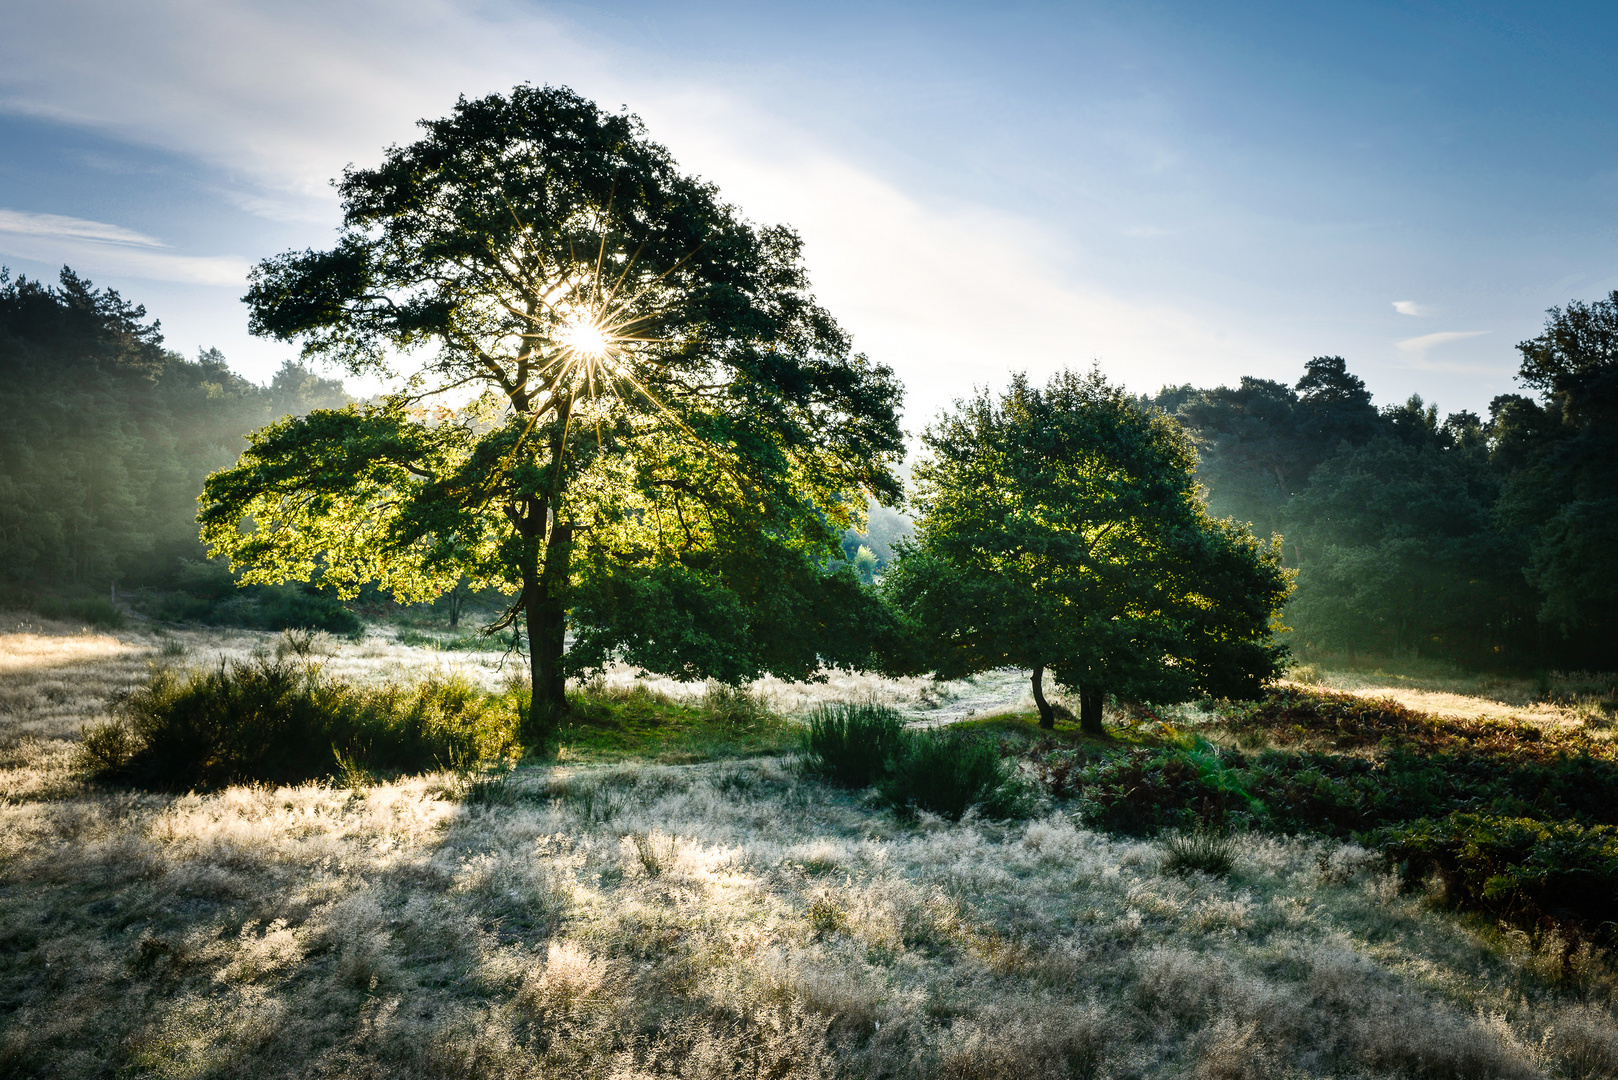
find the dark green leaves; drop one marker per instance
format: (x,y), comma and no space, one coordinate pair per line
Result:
(1060,527)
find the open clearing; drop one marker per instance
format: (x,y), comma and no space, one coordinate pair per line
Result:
(727,918)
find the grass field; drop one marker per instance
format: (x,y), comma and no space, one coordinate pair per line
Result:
(674,897)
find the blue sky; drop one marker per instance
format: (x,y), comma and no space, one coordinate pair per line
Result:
(1181,192)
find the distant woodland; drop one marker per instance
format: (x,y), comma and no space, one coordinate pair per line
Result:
(106,436)
(1489,540)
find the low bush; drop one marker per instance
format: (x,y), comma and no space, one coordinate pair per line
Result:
(853,744)
(1526,871)
(280,722)
(1202,851)
(947,773)
(95,611)
(1141,792)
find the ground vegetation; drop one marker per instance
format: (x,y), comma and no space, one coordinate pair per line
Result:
(728,917)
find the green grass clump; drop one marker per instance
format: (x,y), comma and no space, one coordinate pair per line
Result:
(284,722)
(622,723)
(1200,851)
(853,744)
(947,773)
(856,745)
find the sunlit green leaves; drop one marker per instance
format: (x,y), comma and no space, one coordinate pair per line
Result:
(1060,527)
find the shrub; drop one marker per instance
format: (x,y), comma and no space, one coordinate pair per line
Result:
(95,611)
(106,747)
(1202,850)
(947,773)
(280,722)
(1142,791)
(734,705)
(1519,869)
(854,744)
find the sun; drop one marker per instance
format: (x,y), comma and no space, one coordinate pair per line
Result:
(584,337)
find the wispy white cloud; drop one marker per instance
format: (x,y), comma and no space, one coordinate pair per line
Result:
(1410,307)
(1420,345)
(61,227)
(96,246)
(1416,352)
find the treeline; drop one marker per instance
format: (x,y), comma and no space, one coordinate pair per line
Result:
(1487,540)
(1490,540)
(106,436)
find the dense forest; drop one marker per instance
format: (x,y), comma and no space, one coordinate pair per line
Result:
(107,437)
(1492,541)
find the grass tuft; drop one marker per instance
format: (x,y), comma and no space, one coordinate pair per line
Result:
(946,773)
(853,744)
(1199,851)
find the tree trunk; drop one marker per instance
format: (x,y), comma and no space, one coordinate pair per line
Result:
(1091,698)
(456,599)
(547,636)
(546,593)
(1047,715)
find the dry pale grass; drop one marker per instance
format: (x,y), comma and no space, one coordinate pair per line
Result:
(724,920)
(1443,690)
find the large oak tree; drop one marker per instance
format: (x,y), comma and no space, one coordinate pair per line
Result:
(666,435)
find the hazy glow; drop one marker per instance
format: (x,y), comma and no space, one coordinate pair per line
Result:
(584,337)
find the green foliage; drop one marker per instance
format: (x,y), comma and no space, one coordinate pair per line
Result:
(280,722)
(1061,528)
(108,436)
(678,502)
(1490,541)
(1338,764)
(853,744)
(1402,551)
(947,773)
(883,531)
(617,723)
(1200,851)
(96,611)
(1517,820)
(1521,869)
(1561,490)
(1143,791)
(861,744)
(204,591)
(105,747)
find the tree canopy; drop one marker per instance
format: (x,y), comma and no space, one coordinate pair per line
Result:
(1483,539)
(667,436)
(1061,528)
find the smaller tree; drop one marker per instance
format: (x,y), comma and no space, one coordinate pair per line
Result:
(1062,529)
